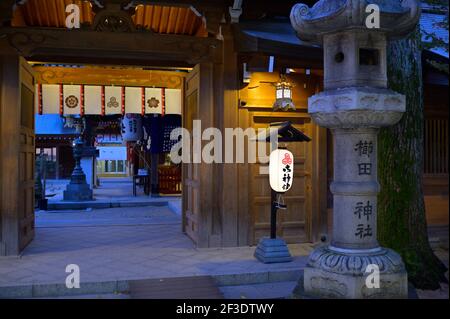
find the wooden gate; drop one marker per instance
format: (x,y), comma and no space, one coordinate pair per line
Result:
(190,174)
(26,156)
(18,151)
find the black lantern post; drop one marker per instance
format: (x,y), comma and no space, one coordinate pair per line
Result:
(273,249)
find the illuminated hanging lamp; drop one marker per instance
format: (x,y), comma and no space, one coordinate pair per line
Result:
(283,90)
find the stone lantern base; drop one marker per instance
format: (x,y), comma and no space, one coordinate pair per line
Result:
(78,192)
(335,273)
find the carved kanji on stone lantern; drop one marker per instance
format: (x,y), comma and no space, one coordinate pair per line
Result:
(354,105)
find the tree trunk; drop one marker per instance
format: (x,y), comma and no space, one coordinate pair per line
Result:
(401,209)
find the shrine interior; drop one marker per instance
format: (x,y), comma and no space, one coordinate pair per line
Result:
(125,116)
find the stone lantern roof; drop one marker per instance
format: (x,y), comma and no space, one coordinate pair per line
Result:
(397,17)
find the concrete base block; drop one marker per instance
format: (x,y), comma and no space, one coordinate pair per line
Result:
(272,251)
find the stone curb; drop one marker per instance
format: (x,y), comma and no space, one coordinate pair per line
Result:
(122,286)
(99,205)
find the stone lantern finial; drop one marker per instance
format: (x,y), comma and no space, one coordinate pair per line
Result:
(397,17)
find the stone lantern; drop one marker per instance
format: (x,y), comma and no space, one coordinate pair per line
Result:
(354,105)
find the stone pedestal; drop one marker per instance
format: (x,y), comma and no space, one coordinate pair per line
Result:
(272,250)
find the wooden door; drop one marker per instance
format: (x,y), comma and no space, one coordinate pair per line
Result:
(293,224)
(191,171)
(17,154)
(26,156)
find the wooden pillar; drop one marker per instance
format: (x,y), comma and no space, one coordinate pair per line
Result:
(234,225)
(198,179)
(9,150)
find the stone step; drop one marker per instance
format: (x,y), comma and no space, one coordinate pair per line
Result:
(122,287)
(103,204)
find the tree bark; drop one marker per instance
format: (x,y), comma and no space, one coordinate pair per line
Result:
(401,209)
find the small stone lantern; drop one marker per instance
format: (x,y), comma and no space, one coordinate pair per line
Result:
(354,105)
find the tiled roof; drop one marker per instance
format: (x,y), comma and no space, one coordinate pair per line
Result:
(429,23)
(431,20)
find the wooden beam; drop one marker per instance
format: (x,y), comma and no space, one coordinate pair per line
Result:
(55,44)
(109,76)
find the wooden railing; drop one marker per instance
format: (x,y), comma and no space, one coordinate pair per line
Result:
(169,179)
(436,146)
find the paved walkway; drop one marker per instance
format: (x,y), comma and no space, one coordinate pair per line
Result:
(120,244)
(155,249)
(107,217)
(112,192)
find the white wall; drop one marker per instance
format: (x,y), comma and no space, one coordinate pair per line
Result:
(112,153)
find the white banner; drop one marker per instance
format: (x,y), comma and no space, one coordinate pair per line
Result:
(50,98)
(133,100)
(72,99)
(153,101)
(107,100)
(92,99)
(173,101)
(113,100)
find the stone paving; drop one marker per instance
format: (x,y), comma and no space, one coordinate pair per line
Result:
(140,243)
(273,290)
(103,252)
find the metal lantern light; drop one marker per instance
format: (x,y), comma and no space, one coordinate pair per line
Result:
(283,95)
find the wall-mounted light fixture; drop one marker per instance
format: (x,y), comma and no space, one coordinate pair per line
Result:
(283,94)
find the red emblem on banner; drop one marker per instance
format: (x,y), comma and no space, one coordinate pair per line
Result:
(287,160)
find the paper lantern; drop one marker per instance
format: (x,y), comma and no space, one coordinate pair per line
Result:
(131,127)
(281,170)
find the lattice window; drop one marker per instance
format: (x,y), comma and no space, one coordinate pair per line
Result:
(436,146)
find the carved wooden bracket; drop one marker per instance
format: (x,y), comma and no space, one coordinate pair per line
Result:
(113,19)
(56,43)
